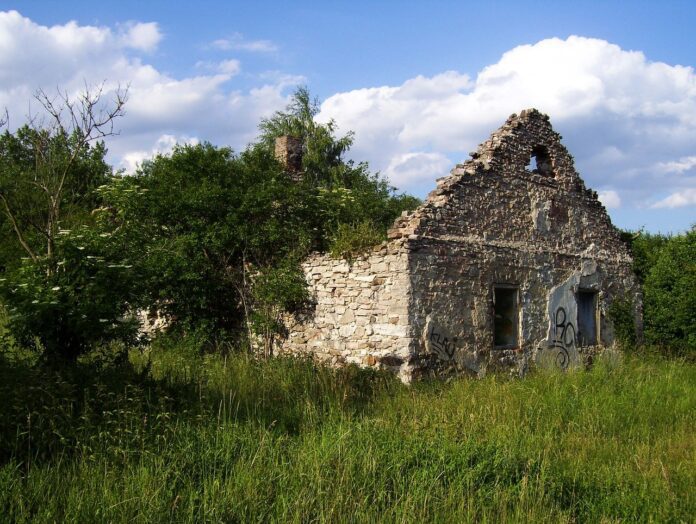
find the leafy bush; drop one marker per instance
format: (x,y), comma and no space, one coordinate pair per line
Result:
(666,267)
(210,238)
(670,295)
(67,303)
(622,317)
(351,240)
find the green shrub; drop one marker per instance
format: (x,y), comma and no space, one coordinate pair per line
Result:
(670,296)
(621,315)
(352,240)
(73,300)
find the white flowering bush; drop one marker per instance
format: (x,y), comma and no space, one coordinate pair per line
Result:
(79,297)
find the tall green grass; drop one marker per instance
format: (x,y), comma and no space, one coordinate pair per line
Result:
(177,437)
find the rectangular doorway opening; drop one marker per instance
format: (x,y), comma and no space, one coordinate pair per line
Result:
(505,314)
(587,318)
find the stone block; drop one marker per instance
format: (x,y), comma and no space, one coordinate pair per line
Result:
(390,330)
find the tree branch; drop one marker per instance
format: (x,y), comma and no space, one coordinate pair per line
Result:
(16,228)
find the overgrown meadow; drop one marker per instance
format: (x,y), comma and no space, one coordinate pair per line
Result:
(100,424)
(173,436)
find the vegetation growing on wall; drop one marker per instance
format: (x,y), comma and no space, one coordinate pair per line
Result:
(210,238)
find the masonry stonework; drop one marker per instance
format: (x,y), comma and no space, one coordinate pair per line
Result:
(424,303)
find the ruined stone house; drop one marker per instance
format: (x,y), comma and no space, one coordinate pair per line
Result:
(510,262)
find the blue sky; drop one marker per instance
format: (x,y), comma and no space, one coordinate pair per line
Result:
(421,83)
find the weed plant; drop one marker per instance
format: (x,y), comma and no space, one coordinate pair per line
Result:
(172,436)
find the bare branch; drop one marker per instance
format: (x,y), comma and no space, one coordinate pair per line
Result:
(15,226)
(80,120)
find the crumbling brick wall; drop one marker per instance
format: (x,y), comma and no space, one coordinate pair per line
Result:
(495,223)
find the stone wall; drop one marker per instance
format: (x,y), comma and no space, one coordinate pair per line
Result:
(426,297)
(360,311)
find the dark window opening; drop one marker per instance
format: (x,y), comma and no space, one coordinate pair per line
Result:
(505,312)
(587,318)
(540,161)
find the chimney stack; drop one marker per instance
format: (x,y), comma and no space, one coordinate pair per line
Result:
(288,151)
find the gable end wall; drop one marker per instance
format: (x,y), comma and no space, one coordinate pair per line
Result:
(422,303)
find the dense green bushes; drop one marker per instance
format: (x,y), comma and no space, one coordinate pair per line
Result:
(666,267)
(209,238)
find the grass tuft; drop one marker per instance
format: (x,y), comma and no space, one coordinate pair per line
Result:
(173,436)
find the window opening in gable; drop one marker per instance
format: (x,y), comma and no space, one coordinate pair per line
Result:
(505,317)
(587,318)
(540,161)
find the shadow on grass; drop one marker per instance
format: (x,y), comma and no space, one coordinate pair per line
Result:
(135,405)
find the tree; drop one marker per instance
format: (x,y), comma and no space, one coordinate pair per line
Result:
(666,269)
(211,239)
(64,295)
(220,236)
(670,295)
(203,226)
(54,163)
(349,194)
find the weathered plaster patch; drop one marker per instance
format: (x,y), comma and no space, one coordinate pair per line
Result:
(560,347)
(540,216)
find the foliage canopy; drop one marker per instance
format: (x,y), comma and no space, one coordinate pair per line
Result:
(211,239)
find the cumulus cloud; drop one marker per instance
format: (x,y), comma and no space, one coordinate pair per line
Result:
(142,36)
(132,160)
(610,199)
(413,168)
(684,198)
(629,122)
(682,165)
(229,67)
(160,107)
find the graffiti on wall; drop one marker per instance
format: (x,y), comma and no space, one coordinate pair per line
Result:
(440,342)
(564,338)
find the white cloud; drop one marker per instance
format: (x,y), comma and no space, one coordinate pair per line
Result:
(142,36)
(687,197)
(625,119)
(237,42)
(159,106)
(132,160)
(229,67)
(628,122)
(610,199)
(686,163)
(413,168)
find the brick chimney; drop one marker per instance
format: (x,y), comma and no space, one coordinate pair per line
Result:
(288,151)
